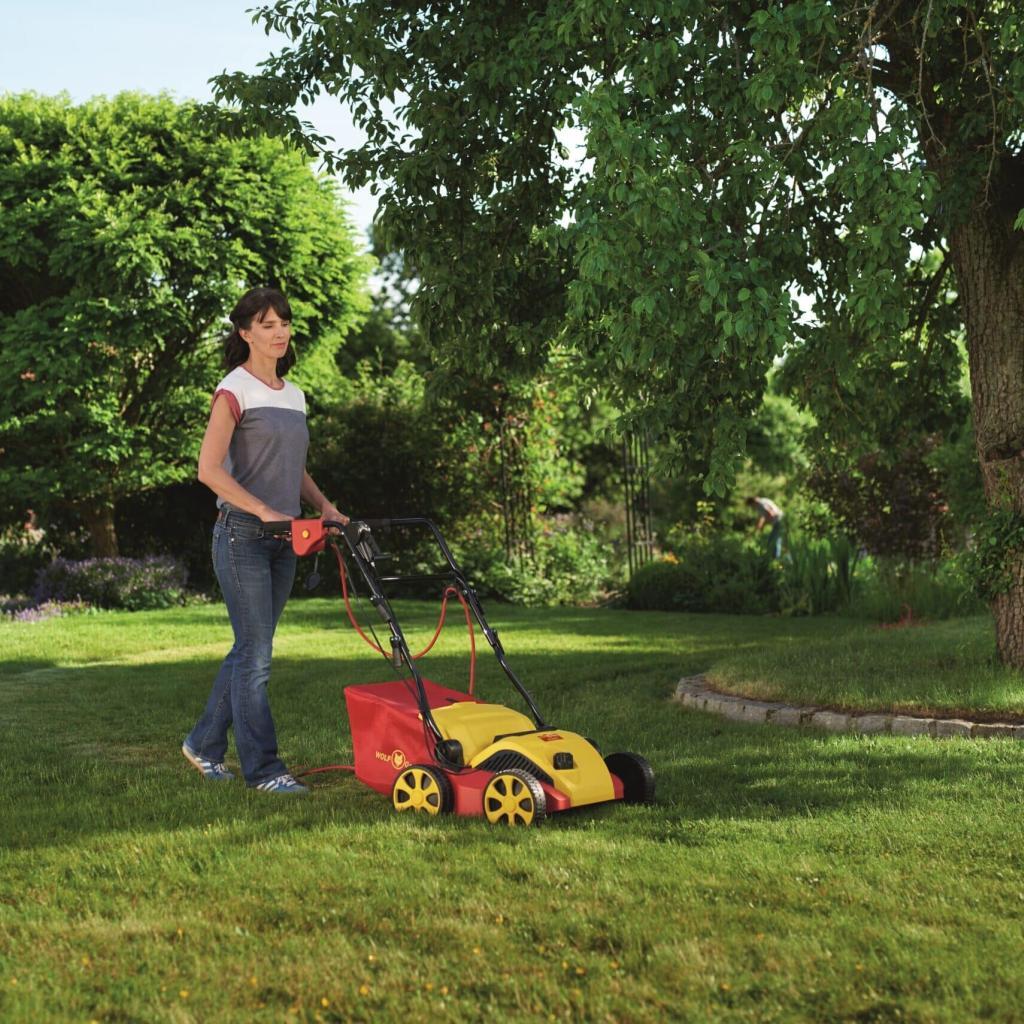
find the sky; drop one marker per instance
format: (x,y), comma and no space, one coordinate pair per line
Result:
(92,47)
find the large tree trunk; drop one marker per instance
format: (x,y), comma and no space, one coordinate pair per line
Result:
(989,262)
(99,520)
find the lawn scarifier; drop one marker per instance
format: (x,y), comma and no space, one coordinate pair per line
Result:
(436,750)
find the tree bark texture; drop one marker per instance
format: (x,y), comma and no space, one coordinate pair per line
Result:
(989,261)
(99,520)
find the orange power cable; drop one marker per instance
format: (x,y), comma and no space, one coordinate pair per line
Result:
(437,632)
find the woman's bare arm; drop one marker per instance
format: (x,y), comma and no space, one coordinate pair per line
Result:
(312,495)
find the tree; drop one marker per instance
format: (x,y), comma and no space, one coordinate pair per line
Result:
(129,228)
(736,153)
(882,428)
(388,335)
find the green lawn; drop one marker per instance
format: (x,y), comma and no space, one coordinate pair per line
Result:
(945,668)
(781,875)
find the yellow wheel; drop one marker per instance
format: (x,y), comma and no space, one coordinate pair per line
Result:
(422,788)
(513,797)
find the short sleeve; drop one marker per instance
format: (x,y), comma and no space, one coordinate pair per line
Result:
(231,398)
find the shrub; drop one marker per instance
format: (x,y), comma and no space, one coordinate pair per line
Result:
(20,562)
(708,573)
(568,566)
(130,583)
(890,589)
(892,501)
(384,452)
(176,521)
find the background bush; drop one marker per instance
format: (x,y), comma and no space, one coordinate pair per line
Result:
(567,566)
(709,573)
(129,583)
(20,562)
(891,589)
(175,522)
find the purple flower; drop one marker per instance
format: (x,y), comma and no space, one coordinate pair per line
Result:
(47,610)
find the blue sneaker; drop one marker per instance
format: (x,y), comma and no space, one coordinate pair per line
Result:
(208,769)
(283,784)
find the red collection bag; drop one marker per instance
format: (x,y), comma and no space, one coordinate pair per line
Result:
(388,733)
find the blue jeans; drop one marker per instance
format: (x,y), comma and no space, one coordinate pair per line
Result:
(255,575)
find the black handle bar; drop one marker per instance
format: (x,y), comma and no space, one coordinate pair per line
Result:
(277,527)
(358,535)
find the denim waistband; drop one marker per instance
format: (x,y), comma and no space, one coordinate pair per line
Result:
(226,513)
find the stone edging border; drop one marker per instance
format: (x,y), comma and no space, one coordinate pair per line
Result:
(694,692)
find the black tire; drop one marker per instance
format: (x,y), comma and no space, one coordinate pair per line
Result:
(637,777)
(514,797)
(423,788)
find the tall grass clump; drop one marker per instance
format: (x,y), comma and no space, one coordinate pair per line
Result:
(817,575)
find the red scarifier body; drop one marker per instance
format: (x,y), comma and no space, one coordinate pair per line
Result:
(387,731)
(389,735)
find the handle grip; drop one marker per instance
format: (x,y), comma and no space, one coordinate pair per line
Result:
(277,527)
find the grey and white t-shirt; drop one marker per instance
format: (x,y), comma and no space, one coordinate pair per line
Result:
(267,454)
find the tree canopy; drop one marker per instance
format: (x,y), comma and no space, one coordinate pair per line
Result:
(129,228)
(736,154)
(760,181)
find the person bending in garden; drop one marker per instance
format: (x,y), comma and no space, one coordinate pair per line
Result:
(769,514)
(253,458)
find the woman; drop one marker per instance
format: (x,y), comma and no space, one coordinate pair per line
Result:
(254,458)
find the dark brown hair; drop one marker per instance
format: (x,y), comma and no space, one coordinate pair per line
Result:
(254,305)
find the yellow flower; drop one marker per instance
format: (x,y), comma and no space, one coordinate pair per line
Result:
(325,1002)
(444,990)
(183,993)
(364,990)
(253,982)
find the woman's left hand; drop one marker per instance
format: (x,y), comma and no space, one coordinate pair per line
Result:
(328,511)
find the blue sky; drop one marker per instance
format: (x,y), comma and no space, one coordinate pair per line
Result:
(92,47)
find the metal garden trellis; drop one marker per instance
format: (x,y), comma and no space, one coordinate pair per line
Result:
(636,477)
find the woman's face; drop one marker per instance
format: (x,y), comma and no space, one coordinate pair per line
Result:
(269,336)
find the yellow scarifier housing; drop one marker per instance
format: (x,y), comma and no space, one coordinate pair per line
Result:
(478,726)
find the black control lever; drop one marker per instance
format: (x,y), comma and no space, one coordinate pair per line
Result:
(313,579)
